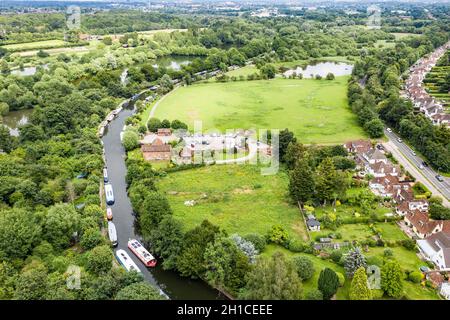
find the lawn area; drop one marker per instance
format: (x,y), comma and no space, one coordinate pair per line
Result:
(399,35)
(319,264)
(315,110)
(407,259)
(35,45)
(235,197)
(391,231)
(244,71)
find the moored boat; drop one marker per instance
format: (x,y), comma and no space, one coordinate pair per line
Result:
(138,249)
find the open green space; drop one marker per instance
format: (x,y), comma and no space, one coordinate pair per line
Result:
(35,45)
(315,110)
(235,197)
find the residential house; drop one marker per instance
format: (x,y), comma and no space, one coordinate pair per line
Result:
(358,146)
(156,151)
(436,248)
(164,132)
(312,223)
(421,224)
(445,290)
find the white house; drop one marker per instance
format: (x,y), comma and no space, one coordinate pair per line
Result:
(445,290)
(436,248)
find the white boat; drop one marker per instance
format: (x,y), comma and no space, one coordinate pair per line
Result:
(112,233)
(138,249)
(125,260)
(109,194)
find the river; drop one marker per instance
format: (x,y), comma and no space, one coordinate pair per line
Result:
(171,283)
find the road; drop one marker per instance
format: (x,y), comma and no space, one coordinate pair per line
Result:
(169,282)
(404,154)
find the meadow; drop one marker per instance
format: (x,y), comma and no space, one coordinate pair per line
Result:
(315,110)
(236,197)
(35,45)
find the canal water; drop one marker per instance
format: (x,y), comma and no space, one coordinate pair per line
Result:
(171,283)
(322,69)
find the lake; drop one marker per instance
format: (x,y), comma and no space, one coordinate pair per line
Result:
(322,69)
(174,62)
(14,119)
(27,71)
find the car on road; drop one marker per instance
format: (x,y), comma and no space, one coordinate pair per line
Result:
(389,130)
(424,164)
(439,178)
(414,153)
(380,147)
(421,167)
(400,140)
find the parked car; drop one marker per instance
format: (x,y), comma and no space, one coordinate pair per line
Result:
(389,130)
(414,153)
(400,140)
(424,164)
(439,178)
(421,167)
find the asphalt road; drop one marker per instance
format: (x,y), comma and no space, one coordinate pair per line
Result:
(427,174)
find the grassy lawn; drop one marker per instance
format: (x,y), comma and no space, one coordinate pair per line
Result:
(244,71)
(319,264)
(391,231)
(34,45)
(315,110)
(235,197)
(399,35)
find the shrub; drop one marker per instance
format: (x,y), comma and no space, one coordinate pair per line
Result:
(336,256)
(296,246)
(341,279)
(415,276)
(314,294)
(304,266)
(278,235)
(258,241)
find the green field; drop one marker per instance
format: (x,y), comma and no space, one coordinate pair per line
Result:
(315,110)
(35,45)
(235,197)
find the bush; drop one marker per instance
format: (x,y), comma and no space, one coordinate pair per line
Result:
(336,256)
(258,241)
(341,279)
(304,266)
(278,235)
(296,246)
(409,244)
(415,276)
(314,294)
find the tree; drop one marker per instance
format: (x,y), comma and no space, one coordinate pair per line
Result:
(391,279)
(305,267)
(330,76)
(326,178)
(91,238)
(268,71)
(165,84)
(32,282)
(99,260)
(301,182)
(294,152)
(107,41)
(154,207)
(42,54)
(374,128)
(61,224)
(226,264)
(191,261)
(273,279)
(19,232)
(328,283)
(278,235)
(359,289)
(258,241)
(154,124)
(4,67)
(285,138)
(314,294)
(130,140)
(438,212)
(6,140)
(139,291)
(167,241)
(165,123)
(354,260)
(246,246)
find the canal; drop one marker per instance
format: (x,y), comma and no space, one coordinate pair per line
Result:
(171,283)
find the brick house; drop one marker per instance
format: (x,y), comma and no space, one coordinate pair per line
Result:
(156,151)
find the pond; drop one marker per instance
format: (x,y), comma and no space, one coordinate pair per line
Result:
(322,69)
(14,119)
(174,62)
(27,71)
